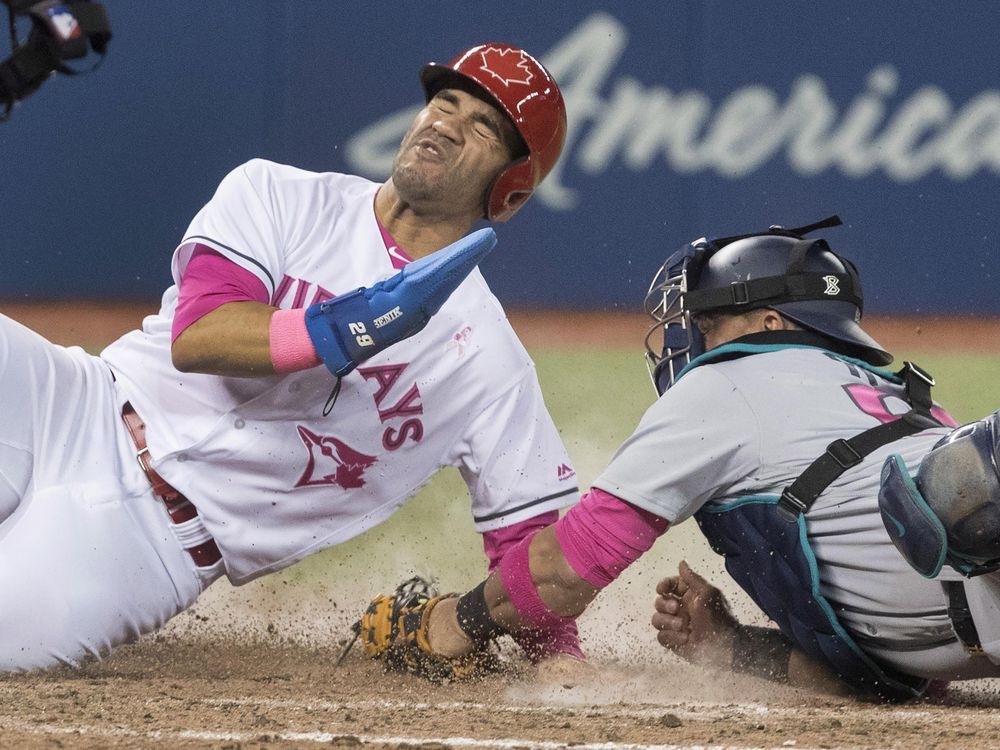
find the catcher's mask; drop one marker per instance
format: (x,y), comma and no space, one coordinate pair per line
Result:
(949,513)
(801,278)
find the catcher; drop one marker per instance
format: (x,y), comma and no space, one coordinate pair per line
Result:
(778,429)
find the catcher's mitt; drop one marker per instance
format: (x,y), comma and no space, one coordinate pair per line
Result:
(393,630)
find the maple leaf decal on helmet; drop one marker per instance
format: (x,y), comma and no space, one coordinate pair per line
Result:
(507,65)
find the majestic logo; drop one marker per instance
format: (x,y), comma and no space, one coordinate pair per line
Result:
(564,472)
(332,461)
(507,65)
(832,285)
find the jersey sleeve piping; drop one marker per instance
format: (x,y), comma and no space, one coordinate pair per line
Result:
(524,506)
(508,515)
(261,271)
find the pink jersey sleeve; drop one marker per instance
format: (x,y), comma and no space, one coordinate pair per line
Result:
(210,281)
(602,535)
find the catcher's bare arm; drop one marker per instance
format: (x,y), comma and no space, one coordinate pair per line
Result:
(563,592)
(550,577)
(692,619)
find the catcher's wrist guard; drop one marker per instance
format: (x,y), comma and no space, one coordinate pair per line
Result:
(394,630)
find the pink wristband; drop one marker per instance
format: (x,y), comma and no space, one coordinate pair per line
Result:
(291,348)
(515,572)
(536,644)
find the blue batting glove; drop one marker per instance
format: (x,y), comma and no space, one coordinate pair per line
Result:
(348,330)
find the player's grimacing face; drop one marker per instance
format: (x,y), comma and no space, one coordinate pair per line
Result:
(454,149)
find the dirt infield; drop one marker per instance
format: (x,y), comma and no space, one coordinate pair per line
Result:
(86,323)
(223,695)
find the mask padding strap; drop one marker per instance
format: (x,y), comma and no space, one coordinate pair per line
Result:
(829,221)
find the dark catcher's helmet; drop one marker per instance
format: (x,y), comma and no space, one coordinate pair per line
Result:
(801,278)
(519,85)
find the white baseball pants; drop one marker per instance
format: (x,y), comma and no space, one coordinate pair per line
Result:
(88,556)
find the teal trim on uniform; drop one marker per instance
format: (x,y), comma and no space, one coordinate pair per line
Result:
(920,502)
(810,560)
(814,588)
(820,599)
(727,350)
(889,375)
(717,507)
(828,610)
(967,568)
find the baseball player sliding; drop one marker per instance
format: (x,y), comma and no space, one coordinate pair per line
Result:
(778,429)
(299,383)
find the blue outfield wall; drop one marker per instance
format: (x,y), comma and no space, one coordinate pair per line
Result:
(686,118)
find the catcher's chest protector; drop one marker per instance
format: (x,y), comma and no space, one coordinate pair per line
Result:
(765,542)
(767,551)
(772,561)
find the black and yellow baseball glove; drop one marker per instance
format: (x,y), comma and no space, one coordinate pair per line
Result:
(393,630)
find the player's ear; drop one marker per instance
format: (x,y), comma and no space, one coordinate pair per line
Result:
(514,201)
(775,321)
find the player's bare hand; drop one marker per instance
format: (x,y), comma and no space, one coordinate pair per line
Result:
(693,620)
(671,619)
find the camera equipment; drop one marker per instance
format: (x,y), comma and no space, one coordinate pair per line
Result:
(60,31)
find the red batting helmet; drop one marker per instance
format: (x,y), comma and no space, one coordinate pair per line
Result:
(523,89)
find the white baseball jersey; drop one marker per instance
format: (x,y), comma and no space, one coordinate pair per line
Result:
(272,477)
(750,426)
